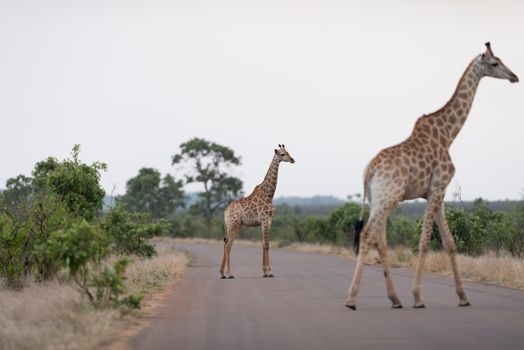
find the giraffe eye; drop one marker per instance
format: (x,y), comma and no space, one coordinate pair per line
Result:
(494,64)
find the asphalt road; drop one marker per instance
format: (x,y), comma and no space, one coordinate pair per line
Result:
(303,308)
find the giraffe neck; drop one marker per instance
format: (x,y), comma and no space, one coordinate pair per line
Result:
(454,114)
(269,185)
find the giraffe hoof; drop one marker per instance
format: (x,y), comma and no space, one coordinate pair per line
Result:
(270,275)
(351,306)
(419,306)
(231,277)
(396,306)
(223,277)
(464,303)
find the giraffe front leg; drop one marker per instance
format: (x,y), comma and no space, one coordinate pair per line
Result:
(434,202)
(449,245)
(266,267)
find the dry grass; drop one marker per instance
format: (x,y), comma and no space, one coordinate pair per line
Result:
(150,275)
(50,316)
(500,270)
(505,271)
(56,316)
(239,242)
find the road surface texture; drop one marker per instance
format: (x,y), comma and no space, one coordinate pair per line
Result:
(303,308)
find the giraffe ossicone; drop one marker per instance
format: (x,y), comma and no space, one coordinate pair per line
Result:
(420,167)
(257,209)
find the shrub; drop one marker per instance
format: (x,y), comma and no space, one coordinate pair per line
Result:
(13,255)
(343,219)
(129,232)
(403,232)
(514,239)
(110,287)
(80,250)
(24,232)
(77,184)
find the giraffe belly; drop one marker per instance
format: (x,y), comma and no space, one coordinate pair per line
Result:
(250,221)
(416,188)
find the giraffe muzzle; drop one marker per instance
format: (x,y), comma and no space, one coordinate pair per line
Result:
(514,79)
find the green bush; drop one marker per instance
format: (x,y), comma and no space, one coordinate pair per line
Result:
(512,236)
(80,249)
(344,219)
(75,247)
(14,258)
(24,232)
(401,231)
(110,287)
(474,230)
(129,232)
(77,184)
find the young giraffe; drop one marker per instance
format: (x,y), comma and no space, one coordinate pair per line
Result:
(257,209)
(420,167)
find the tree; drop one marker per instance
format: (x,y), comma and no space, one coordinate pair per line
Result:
(77,249)
(148,193)
(18,190)
(77,184)
(129,232)
(344,219)
(24,231)
(208,163)
(515,219)
(41,172)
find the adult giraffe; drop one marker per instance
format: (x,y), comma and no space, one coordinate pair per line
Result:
(257,209)
(420,167)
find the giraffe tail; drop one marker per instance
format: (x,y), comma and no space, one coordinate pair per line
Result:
(225,227)
(358,228)
(359,225)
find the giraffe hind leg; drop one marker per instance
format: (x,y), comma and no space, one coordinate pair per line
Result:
(365,240)
(223,264)
(231,233)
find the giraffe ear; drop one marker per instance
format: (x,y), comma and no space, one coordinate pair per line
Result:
(276,152)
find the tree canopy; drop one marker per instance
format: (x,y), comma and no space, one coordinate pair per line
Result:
(149,193)
(208,163)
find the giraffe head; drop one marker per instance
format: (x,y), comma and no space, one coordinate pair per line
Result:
(492,66)
(283,155)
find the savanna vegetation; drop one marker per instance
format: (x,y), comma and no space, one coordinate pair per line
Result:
(478,227)
(54,220)
(87,264)
(56,232)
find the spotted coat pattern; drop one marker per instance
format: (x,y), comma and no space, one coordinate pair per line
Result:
(257,209)
(421,167)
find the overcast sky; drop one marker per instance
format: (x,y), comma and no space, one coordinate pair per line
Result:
(335,81)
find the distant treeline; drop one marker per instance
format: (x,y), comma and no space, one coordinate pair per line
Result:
(323,205)
(415,209)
